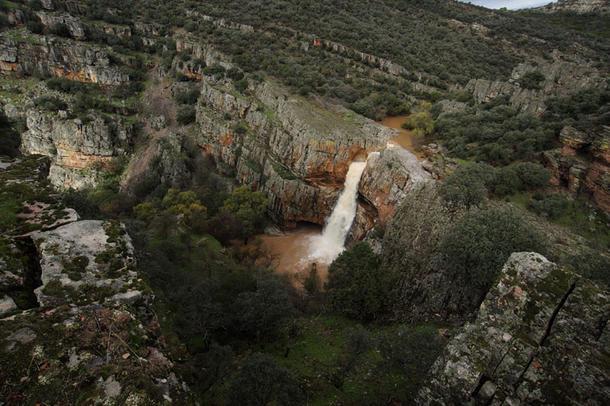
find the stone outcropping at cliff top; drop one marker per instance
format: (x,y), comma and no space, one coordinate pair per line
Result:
(79,151)
(76,319)
(387,179)
(27,54)
(563,75)
(541,337)
(85,262)
(578,6)
(295,150)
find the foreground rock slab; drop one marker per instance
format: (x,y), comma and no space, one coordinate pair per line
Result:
(541,337)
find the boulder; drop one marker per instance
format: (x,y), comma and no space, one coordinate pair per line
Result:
(84,262)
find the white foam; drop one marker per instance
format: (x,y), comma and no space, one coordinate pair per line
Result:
(326,247)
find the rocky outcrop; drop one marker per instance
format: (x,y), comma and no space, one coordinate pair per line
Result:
(27,54)
(582,164)
(578,6)
(85,262)
(388,177)
(79,151)
(295,150)
(95,328)
(540,337)
(73,24)
(562,75)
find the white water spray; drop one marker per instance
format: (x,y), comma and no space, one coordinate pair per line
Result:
(327,246)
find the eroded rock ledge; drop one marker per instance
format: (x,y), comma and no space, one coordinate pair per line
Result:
(294,150)
(540,337)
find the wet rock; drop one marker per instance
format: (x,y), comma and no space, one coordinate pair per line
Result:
(540,336)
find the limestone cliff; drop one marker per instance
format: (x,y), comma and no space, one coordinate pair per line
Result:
(582,164)
(387,179)
(79,151)
(561,76)
(27,54)
(540,337)
(295,150)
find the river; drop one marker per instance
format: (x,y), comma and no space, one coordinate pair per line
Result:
(405,138)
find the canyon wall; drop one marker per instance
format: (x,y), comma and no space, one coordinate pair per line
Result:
(80,151)
(293,149)
(27,54)
(562,75)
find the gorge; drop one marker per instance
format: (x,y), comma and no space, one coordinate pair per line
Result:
(299,202)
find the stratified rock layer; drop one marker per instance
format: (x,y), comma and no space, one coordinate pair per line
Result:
(563,75)
(540,337)
(26,53)
(294,150)
(79,151)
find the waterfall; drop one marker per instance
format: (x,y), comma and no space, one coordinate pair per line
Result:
(327,246)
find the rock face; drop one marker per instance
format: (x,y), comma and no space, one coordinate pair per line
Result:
(563,75)
(74,25)
(540,337)
(27,54)
(84,262)
(293,149)
(79,151)
(578,6)
(388,177)
(582,164)
(427,290)
(96,320)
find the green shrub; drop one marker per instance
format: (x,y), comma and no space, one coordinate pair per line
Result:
(532,80)
(261,381)
(357,287)
(476,248)
(50,103)
(467,186)
(186,115)
(551,206)
(188,97)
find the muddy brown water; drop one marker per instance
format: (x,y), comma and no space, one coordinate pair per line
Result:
(290,250)
(405,138)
